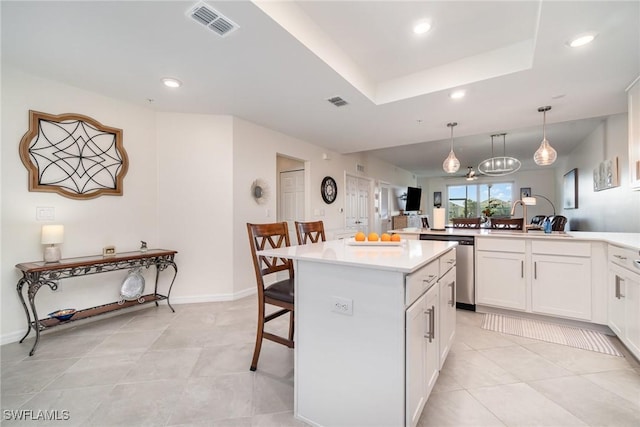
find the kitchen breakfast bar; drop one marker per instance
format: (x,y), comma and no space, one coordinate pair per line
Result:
(374,324)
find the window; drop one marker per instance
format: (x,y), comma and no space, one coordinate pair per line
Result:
(479,200)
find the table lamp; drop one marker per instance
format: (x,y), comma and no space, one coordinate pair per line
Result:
(51,236)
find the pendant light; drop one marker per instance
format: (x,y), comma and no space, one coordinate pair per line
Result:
(499,165)
(545,155)
(451,164)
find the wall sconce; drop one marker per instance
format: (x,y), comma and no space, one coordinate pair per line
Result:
(52,235)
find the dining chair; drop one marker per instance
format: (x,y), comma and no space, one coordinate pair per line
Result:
(507,223)
(466,222)
(558,222)
(279,293)
(538,220)
(312,231)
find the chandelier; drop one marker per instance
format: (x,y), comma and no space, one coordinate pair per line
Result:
(499,165)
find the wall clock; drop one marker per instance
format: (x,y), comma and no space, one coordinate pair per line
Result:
(329,189)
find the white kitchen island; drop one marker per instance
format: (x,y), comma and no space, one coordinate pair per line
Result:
(362,358)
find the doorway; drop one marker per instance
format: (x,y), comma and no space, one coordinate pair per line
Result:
(357,204)
(291,193)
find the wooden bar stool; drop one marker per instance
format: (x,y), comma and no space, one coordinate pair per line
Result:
(280,293)
(310,231)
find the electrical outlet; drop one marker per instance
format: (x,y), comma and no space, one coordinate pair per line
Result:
(342,306)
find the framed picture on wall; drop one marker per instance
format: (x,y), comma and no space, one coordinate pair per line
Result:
(437,199)
(525,192)
(570,190)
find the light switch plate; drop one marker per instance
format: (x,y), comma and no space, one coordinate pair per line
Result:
(45,213)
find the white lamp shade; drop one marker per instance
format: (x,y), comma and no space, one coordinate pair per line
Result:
(529,201)
(52,234)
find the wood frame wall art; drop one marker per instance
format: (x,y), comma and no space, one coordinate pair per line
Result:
(73,155)
(525,192)
(570,196)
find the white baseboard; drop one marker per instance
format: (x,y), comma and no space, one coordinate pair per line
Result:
(17,335)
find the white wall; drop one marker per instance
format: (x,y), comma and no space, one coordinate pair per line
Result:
(195,202)
(89,224)
(616,209)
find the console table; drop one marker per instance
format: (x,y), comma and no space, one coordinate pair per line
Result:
(38,274)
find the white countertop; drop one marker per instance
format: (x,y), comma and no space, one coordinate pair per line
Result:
(628,240)
(405,258)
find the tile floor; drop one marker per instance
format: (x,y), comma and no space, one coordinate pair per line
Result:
(191,368)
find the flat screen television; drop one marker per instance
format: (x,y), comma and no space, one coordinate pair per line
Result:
(413,199)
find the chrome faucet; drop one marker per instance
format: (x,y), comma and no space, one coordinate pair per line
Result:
(524,213)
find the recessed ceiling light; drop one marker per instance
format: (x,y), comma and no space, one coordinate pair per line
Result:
(422,28)
(582,40)
(457,94)
(171,82)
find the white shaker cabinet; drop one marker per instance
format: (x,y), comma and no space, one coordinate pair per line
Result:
(624,296)
(430,329)
(561,282)
(422,358)
(415,360)
(542,276)
(500,273)
(447,314)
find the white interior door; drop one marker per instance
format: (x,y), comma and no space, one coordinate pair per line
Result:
(357,203)
(292,200)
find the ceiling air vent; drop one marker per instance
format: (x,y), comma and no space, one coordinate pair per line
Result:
(337,101)
(212,19)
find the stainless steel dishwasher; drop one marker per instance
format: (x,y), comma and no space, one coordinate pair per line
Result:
(465,289)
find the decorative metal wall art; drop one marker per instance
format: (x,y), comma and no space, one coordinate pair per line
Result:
(73,155)
(606,176)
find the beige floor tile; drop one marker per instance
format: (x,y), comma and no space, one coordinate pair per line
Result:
(524,364)
(576,360)
(472,369)
(624,383)
(520,405)
(215,398)
(203,353)
(589,402)
(97,370)
(32,376)
(77,403)
(456,408)
(164,365)
(272,394)
(126,342)
(479,339)
(282,419)
(224,359)
(140,404)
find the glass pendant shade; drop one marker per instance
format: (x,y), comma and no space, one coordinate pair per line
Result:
(451,164)
(545,154)
(499,165)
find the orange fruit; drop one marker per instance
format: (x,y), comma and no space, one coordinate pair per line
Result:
(373,237)
(395,237)
(360,236)
(385,237)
